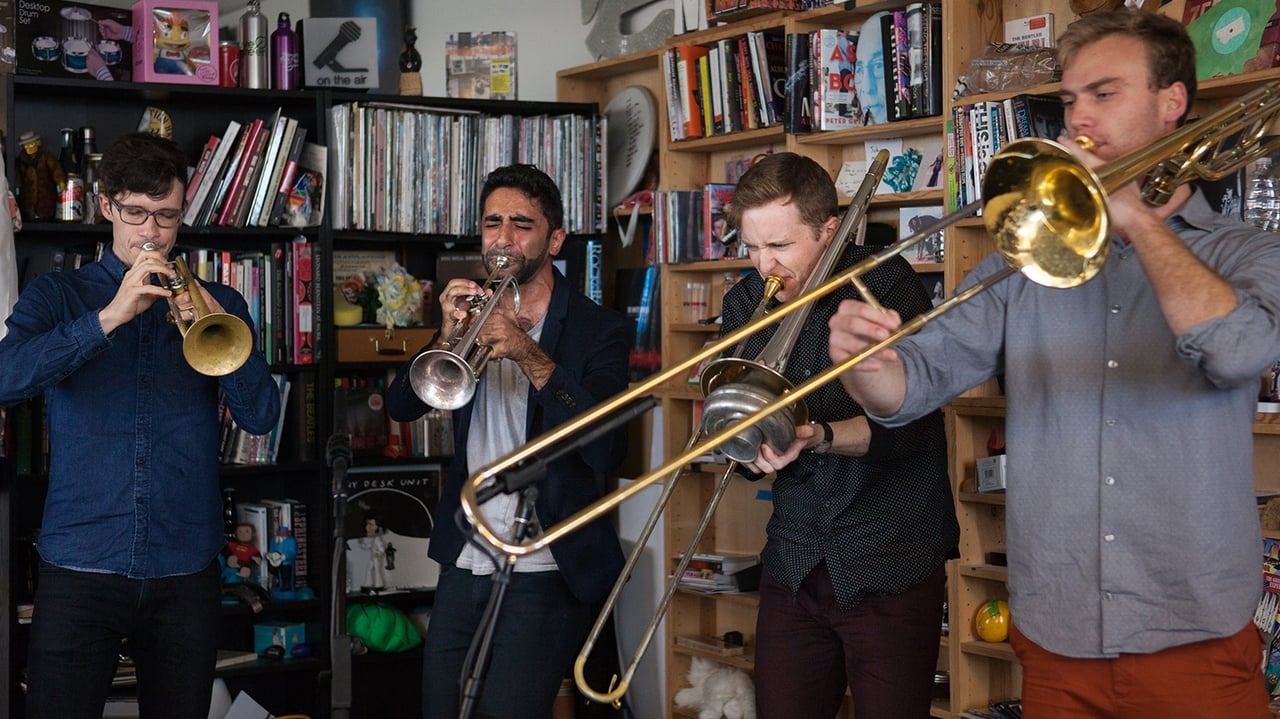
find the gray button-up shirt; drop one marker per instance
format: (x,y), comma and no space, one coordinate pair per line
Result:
(1132,522)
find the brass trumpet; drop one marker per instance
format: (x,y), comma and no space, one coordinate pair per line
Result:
(1047,214)
(446,378)
(213,343)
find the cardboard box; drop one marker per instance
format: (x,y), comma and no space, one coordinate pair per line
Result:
(175,41)
(372,344)
(280,633)
(991,473)
(66,39)
(339,52)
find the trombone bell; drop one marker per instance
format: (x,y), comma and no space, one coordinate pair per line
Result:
(1047,213)
(741,387)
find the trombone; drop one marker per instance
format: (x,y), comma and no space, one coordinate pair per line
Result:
(1047,214)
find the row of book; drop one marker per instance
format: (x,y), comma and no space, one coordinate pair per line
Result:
(279,289)
(690,225)
(258,173)
(403,168)
(977,130)
(268,516)
(237,446)
(888,69)
(735,84)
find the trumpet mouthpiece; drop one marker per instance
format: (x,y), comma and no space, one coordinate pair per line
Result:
(150,247)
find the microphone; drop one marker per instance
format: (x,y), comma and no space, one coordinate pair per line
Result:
(338,451)
(348,33)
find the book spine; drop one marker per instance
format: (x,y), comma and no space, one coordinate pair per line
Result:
(212,173)
(243,162)
(202,165)
(303,302)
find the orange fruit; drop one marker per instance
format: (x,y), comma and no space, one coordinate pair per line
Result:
(991,622)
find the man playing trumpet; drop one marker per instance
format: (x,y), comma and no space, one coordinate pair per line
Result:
(555,357)
(132,523)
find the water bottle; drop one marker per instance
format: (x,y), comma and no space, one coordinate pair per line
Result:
(254,67)
(285,63)
(1261,204)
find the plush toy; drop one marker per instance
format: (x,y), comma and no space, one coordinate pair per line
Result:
(718,690)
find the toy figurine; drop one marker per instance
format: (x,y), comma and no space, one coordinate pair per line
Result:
(172,41)
(381,555)
(410,64)
(243,555)
(281,560)
(40,177)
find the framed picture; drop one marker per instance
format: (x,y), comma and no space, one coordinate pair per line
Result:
(387,529)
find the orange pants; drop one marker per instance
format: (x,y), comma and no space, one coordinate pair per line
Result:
(1213,679)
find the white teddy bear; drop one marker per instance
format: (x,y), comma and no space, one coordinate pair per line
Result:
(718,690)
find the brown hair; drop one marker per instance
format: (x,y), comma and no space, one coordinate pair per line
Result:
(1170,54)
(789,177)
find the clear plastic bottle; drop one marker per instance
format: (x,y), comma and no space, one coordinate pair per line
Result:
(1262,204)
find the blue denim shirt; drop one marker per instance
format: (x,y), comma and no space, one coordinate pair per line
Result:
(133,430)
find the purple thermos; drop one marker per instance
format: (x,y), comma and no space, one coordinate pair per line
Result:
(286,66)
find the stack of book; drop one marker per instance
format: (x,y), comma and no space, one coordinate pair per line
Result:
(721,572)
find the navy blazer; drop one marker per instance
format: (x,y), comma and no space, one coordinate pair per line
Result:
(590,346)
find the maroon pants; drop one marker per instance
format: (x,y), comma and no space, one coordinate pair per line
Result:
(809,649)
(1212,679)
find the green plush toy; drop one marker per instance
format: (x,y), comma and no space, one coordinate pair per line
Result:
(382,628)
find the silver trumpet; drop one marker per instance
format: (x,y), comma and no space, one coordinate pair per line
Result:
(446,378)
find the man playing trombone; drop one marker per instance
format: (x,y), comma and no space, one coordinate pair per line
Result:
(863,520)
(1132,528)
(132,523)
(554,356)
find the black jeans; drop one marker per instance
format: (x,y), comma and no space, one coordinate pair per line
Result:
(809,649)
(79,621)
(540,629)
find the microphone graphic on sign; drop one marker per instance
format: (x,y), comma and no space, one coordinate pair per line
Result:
(348,33)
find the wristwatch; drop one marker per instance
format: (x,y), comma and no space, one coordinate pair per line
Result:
(827,435)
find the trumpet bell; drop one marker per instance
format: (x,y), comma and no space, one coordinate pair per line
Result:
(737,388)
(1047,213)
(217,344)
(442,379)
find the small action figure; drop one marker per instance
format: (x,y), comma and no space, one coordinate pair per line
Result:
(40,177)
(172,41)
(381,555)
(281,560)
(410,64)
(243,555)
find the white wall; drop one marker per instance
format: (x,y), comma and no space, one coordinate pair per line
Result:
(550,36)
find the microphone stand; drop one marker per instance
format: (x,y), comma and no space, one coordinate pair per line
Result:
(474,683)
(339,456)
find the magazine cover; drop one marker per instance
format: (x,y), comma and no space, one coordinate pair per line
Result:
(389,517)
(481,65)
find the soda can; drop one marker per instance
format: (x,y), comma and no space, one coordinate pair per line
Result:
(228,63)
(71,200)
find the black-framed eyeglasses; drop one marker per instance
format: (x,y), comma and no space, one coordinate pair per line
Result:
(134,215)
